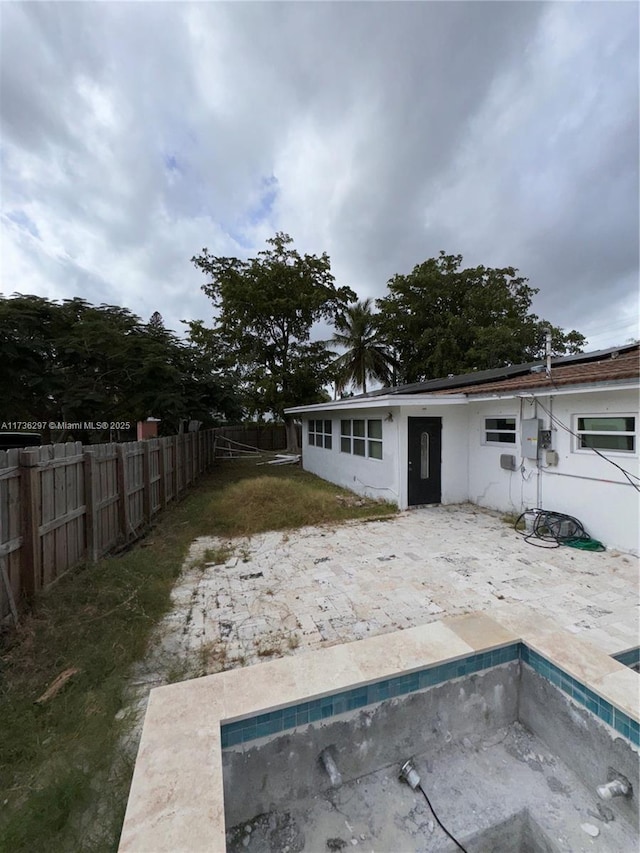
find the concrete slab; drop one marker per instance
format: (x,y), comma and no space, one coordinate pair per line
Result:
(287,592)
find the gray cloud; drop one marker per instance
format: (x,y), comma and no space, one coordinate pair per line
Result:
(133,135)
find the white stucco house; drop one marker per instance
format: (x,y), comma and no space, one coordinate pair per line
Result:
(508,439)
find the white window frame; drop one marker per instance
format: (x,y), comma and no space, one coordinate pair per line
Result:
(486,430)
(323,437)
(366,440)
(608,451)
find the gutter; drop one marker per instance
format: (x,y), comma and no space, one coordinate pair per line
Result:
(516,393)
(387,401)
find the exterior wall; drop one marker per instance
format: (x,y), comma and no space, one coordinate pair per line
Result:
(454,453)
(375,478)
(489,484)
(582,484)
(387,478)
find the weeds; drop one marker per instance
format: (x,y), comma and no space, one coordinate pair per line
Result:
(64,771)
(98,620)
(512,519)
(277,502)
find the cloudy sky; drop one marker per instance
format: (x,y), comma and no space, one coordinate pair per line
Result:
(135,134)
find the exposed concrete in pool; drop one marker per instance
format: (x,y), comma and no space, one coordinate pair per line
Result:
(177,800)
(485,792)
(494,783)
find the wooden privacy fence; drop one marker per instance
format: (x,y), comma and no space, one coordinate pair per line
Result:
(264,437)
(65,504)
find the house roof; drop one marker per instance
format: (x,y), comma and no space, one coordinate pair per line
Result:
(607,366)
(587,368)
(463,382)
(613,367)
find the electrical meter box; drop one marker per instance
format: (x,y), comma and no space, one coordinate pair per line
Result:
(529,433)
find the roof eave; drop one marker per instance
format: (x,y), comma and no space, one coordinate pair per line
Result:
(411,400)
(576,388)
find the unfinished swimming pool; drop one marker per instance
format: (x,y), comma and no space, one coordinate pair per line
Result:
(513,753)
(524,738)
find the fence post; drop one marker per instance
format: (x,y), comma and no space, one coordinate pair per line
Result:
(123,502)
(146,481)
(161,472)
(30,500)
(90,515)
(174,473)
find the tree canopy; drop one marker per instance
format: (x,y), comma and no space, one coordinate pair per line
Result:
(265,309)
(75,362)
(441,319)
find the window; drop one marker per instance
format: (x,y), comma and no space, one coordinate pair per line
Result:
(362,437)
(499,430)
(320,434)
(606,432)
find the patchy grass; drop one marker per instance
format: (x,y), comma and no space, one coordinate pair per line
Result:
(64,775)
(99,620)
(282,499)
(511,518)
(215,556)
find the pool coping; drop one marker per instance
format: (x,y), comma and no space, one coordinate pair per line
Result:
(176,797)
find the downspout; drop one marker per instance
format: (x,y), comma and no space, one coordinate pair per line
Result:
(538,466)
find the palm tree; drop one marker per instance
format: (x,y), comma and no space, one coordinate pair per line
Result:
(366,355)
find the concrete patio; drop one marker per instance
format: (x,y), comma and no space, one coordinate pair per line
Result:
(320,586)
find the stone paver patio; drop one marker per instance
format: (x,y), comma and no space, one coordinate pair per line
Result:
(320,586)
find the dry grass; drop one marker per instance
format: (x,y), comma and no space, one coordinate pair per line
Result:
(269,502)
(64,777)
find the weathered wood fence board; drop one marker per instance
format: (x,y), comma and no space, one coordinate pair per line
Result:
(11,551)
(264,437)
(65,504)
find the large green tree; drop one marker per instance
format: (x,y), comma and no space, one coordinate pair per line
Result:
(74,362)
(366,356)
(265,309)
(442,319)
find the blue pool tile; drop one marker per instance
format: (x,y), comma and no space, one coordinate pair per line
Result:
(231,738)
(592,705)
(326,707)
(413,682)
(622,726)
(339,705)
(262,729)
(426,678)
(578,693)
(289,718)
(605,712)
(383,691)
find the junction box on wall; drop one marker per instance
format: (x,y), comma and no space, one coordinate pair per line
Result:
(529,437)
